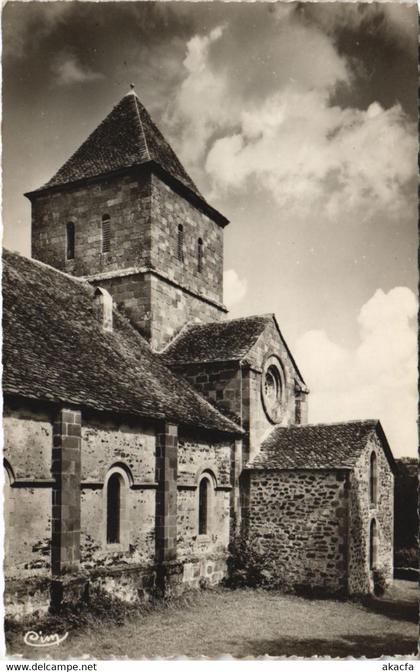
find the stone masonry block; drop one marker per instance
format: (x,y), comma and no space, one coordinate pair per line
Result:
(66,466)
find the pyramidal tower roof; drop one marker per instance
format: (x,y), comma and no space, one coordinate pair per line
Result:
(126,137)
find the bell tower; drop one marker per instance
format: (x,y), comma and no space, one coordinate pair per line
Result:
(123,213)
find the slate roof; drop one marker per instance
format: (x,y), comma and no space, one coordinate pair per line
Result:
(125,138)
(54,349)
(322,446)
(228,340)
(222,341)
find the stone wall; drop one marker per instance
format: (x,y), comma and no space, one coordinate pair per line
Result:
(66,470)
(168,211)
(237,389)
(28,596)
(203,556)
(362,512)
(126,583)
(106,442)
(126,199)
(254,416)
(219,382)
(131,294)
(28,490)
(300,521)
(131,448)
(159,503)
(171,307)
(156,306)
(142,270)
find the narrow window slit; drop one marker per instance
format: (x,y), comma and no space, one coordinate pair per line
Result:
(373,544)
(180,242)
(373,479)
(70,240)
(200,255)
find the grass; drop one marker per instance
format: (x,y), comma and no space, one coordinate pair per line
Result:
(247,624)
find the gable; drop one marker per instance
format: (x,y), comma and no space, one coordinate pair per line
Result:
(377,442)
(270,342)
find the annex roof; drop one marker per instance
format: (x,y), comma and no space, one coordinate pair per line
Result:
(321,446)
(54,349)
(227,340)
(126,137)
(222,341)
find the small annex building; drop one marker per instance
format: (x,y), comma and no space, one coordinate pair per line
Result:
(143,430)
(312,509)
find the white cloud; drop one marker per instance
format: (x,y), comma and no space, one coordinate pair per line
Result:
(234,288)
(309,154)
(212,95)
(196,110)
(68,71)
(378,379)
(289,139)
(197,50)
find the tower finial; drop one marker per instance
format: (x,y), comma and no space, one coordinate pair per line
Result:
(132,86)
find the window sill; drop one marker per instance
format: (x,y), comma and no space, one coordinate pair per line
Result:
(116,548)
(201,538)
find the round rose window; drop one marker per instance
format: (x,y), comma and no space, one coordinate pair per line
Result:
(271,384)
(272,389)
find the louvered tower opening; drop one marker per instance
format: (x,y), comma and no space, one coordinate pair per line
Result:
(106,233)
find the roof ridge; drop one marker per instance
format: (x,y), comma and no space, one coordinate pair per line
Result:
(328,424)
(233,319)
(184,175)
(326,445)
(180,333)
(267,317)
(250,317)
(290,354)
(136,102)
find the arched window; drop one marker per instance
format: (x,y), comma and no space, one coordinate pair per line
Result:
(113,510)
(373,479)
(373,544)
(272,386)
(102,307)
(203,500)
(7,508)
(106,233)
(70,238)
(200,255)
(180,242)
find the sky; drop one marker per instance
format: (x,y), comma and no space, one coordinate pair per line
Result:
(297,122)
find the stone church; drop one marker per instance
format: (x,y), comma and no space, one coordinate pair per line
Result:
(143,429)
